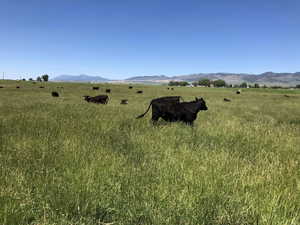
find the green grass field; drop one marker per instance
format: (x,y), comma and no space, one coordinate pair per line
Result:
(66,161)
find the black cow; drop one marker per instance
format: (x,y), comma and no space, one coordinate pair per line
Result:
(18,87)
(172,89)
(157,102)
(95,88)
(42,87)
(124,102)
(238,92)
(100,99)
(139,92)
(107,90)
(130,87)
(226,100)
(1,87)
(54,94)
(184,111)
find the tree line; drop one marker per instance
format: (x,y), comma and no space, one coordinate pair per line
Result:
(44,78)
(220,83)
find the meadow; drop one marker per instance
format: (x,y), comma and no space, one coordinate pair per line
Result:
(66,161)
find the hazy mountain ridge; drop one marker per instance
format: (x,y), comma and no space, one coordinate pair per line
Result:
(80,78)
(268,78)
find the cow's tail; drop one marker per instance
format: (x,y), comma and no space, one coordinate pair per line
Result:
(140,116)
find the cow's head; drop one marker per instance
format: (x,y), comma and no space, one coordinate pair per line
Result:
(86,97)
(202,104)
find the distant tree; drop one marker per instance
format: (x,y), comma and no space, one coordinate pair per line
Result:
(298,86)
(45,77)
(243,85)
(183,83)
(30,79)
(24,79)
(256,85)
(195,84)
(219,83)
(178,83)
(265,86)
(204,82)
(39,79)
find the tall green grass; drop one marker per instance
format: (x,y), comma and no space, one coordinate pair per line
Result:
(65,161)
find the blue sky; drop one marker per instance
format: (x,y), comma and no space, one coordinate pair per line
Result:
(118,39)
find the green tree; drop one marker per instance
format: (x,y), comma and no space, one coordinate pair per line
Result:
(256,85)
(219,83)
(39,79)
(195,84)
(45,77)
(298,86)
(30,79)
(243,85)
(204,82)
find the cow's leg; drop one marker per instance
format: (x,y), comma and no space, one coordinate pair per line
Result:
(155,117)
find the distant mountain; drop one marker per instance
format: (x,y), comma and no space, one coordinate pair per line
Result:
(268,78)
(79,78)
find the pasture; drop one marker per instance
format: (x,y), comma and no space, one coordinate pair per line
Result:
(66,161)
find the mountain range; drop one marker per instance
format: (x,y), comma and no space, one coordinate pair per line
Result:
(267,78)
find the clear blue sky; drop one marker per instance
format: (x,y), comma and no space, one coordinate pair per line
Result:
(123,38)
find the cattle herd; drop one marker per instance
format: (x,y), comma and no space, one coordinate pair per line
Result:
(169,108)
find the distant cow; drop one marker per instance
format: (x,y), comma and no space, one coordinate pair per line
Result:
(139,92)
(18,87)
(184,111)
(42,87)
(227,100)
(124,102)
(172,89)
(54,94)
(130,87)
(168,88)
(107,90)
(1,87)
(287,96)
(95,88)
(238,92)
(100,99)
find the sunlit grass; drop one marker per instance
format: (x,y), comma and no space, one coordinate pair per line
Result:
(65,161)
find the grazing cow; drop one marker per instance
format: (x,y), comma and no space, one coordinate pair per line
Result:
(168,88)
(238,92)
(287,96)
(107,90)
(184,111)
(227,100)
(42,87)
(172,89)
(95,88)
(18,87)
(139,92)
(130,87)
(1,87)
(124,102)
(54,94)
(100,99)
